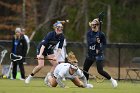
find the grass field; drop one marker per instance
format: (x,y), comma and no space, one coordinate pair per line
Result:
(37,86)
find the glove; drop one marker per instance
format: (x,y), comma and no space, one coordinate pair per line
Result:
(89,86)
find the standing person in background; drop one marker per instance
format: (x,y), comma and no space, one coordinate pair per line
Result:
(46,47)
(19,47)
(27,40)
(96,41)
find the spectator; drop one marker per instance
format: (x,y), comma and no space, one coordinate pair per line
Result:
(19,47)
(27,40)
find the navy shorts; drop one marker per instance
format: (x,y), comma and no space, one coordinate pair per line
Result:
(46,52)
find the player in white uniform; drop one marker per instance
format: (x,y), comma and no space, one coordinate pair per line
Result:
(63,55)
(69,71)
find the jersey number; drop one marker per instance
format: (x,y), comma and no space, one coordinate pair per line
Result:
(92,47)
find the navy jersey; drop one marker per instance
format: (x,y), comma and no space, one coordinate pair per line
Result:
(92,42)
(50,41)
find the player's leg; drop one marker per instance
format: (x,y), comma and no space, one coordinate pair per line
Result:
(21,66)
(35,70)
(53,82)
(50,80)
(53,62)
(14,70)
(87,64)
(101,71)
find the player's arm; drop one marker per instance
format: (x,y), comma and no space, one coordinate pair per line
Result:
(83,78)
(103,38)
(43,44)
(84,81)
(90,40)
(101,44)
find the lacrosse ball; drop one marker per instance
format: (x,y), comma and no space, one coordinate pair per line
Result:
(4,76)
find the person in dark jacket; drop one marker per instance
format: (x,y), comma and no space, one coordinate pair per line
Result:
(96,43)
(19,47)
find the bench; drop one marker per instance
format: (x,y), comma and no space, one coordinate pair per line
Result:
(136,70)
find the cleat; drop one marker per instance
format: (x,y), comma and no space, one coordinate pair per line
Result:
(28,79)
(114,83)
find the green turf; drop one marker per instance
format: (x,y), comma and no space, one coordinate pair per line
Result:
(37,86)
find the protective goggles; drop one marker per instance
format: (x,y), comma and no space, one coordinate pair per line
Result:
(75,67)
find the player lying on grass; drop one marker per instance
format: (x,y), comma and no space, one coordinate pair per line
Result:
(69,71)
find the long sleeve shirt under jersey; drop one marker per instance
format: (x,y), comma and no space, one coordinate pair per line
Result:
(51,40)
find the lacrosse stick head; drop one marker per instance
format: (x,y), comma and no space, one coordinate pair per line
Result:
(14,57)
(3,55)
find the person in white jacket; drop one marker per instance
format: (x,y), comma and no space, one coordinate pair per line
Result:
(27,40)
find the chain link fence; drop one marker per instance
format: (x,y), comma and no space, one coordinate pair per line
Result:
(118,57)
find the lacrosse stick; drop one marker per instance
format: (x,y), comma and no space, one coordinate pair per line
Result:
(14,57)
(64,21)
(3,55)
(100,16)
(9,70)
(97,78)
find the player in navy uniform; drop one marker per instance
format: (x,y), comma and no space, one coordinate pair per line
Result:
(46,47)
(96,41)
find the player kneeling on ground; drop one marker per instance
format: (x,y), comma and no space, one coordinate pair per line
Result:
(69,71)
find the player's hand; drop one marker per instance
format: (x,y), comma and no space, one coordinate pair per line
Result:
(54,58)
(98,40)
(97,51)
(40,56)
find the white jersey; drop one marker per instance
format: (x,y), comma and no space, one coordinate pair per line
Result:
(63,54)
(28,42)
(63,71)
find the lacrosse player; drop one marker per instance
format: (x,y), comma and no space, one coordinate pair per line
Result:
(46,47)
(67,70)
(19,47)
(63,54)
(96,41)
